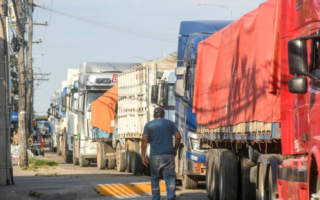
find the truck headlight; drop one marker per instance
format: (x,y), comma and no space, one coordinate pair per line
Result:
(195,144)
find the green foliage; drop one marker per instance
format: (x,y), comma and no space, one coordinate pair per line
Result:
(14,75)
(37,163)
(42,162)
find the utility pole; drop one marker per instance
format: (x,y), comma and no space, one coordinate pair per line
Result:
(29,97)
(5,157)
(23,157)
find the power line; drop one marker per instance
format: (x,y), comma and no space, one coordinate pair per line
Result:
(45,30)
(128,30)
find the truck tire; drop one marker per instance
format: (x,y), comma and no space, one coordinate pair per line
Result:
(121,160)
(69,158)
(247,187)
(128,158)
(188,181)
(84,162)
(215,175)
(137,166)
(75,159)
(253,178)
(63,148)
(228,186)
(209,173)
(101,163)
(262,194)
(58,147)
(111,163)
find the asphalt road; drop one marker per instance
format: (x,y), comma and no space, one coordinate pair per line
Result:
(75,182)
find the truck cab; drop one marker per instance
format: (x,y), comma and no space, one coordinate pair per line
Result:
(192,156)
(62,118)
(54,111)
(94,80)
(68,104)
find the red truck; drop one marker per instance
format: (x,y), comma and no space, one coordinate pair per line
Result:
(256,96)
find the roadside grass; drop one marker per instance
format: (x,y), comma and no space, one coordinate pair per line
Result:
(47,175)
(38,163)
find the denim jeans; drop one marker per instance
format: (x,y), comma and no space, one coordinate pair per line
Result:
(163,163)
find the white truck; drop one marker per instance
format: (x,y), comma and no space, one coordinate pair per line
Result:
(62,117)
(141,89)
(54,118)
(71,120)
(94,80)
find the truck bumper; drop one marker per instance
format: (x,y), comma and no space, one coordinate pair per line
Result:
(196,167)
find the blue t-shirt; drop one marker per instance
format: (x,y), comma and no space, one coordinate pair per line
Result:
(160,132)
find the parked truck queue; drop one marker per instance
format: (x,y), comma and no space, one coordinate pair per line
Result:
(243,94)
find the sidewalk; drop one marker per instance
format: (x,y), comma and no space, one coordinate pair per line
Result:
(74,182)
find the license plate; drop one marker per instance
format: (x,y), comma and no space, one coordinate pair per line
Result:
(197,167)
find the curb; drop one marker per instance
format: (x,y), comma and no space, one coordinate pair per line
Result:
(128,189)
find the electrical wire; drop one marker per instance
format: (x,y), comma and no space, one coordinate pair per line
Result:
(45,30)
(115,27)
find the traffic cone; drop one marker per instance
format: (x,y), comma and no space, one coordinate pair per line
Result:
(42,144)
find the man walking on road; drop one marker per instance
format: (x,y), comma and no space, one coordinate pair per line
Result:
(160,134)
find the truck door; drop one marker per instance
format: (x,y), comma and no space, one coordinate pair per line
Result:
(314,91)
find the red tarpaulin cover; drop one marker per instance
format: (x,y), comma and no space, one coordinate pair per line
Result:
(238,71)
(103,110)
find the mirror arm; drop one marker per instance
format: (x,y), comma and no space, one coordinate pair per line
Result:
(311,76)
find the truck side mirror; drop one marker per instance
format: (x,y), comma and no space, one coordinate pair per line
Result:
(298,85)
(179,89)
(180,71)
(64,101)
(298,56)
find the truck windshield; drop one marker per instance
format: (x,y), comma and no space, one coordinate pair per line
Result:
(92,96)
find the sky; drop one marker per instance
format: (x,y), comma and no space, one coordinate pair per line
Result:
(67,41)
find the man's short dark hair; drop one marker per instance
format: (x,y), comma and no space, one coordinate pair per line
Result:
(158,112)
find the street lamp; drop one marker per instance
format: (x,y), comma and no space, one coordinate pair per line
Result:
(164,50)
(203,4)
(136,57)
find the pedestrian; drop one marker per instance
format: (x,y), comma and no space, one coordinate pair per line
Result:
(160,133)
(43,134)
(34,136)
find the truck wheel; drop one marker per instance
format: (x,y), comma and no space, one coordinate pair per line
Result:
(128,158)
(136,164)
(215,175)
(188,181)
(263,192)
(75,159)
(247,187)
(228,187)
(121,162)
(63,147)
(69,158)
(84,162)
(101,163)
(253,178)
(208,173)
(111,163)
(58,147)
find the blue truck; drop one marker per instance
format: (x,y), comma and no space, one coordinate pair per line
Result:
(191,161)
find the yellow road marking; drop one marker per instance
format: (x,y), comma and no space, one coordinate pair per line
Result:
(128,189)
